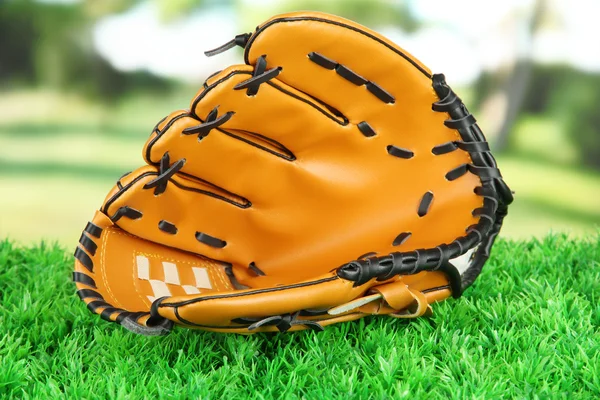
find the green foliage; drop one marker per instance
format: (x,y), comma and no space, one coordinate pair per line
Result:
(570,98)
(577,103)
(50,45)
(529,328)
(16,32)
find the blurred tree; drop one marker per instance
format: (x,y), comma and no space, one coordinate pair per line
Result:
(50,45)
(17,34)
(505,89)
(568,96)
(576,102)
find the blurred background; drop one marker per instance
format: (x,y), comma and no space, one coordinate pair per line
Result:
(82,83)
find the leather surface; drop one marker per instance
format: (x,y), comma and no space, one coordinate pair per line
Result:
(296,220)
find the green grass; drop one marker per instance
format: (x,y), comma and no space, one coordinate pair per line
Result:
(529,328)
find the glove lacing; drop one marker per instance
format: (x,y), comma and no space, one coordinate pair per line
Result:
(166,170)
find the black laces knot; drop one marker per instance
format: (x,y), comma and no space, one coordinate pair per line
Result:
(260,76)
(165,172)
(282,322)
(240,40)
(212,122)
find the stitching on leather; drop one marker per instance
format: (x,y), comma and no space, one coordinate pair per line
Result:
(210,266)
(209,263)
(219,276)
(398,51)
(108,231)
(137,288)
(352,77)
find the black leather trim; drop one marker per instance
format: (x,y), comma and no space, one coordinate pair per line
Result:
(118,194)
(181,319)
(165,128)
(84,259)
(380,92)
(255,269)
(210,240)
(246,203)
(93,229)
(134,316)
(283,152)
(474,147)
(367,255)
(126,211)
(255,81)
(122,316)
(261,29)
(346,73)
(470,147)
(316,104)
(343,120)
(107,312)
(457,172)
(248,293)
(366,129)
(238,40)
(167,227)
(401,238)
(88,244)
(211,122)
(80,277)
(96,304)
(198,98)
(399,152)
(425,204)
(435,289)
(85,293)
(444,148)
(350,75)
(321,60)
(463,123)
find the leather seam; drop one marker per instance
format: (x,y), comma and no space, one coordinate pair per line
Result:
(255,292)
(210,267)
(104,277)
(341,24)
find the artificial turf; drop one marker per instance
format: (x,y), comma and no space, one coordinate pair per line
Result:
(528,328)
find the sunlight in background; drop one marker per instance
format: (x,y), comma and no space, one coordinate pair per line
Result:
(459,38)
(578,42)
(138,39)
(91,78)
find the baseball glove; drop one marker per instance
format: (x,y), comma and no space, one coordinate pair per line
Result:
(329,178)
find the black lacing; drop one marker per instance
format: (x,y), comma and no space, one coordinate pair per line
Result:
(282,322)
(476,144)
(240,40)
(496,198)
(260,76)
(165,172)
(212,122)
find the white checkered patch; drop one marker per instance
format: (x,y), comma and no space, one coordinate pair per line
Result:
(160,288)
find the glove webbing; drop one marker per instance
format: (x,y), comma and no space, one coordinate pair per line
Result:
(496,196)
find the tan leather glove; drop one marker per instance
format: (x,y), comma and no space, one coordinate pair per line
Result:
(330,178)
